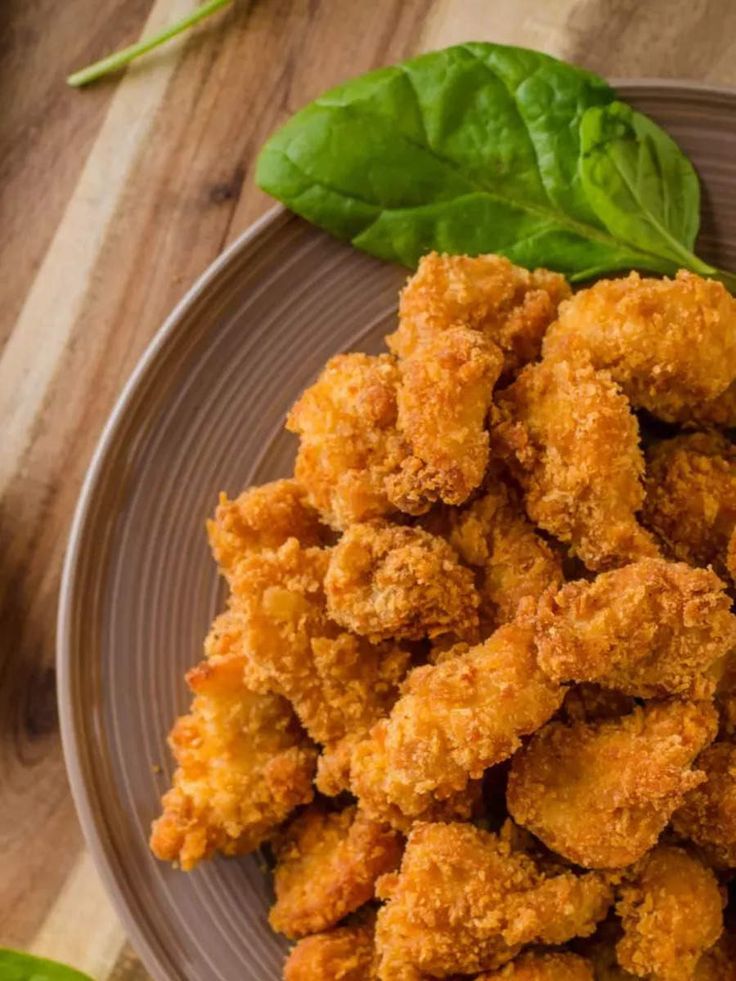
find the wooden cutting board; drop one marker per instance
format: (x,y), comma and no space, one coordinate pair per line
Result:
(112,201)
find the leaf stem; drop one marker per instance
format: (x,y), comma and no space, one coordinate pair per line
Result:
(119,59)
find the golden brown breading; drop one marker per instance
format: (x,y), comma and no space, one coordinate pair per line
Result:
(708,816)
(591,703)
(349,443)
(719,963)
(261,517)
(343,954)
(726,695)
(543,967)
(452,721)
(386,581)
(650,629)
(671,910)
(463,902)
(243,764)
(691,497)
(509,305)
(326,867)
(570,439)
(669,343)
(515,563)
(600,793)
(600,950)
(443,400)
(338,683)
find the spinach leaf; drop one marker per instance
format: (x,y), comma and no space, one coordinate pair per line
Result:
(16,966)
(640,184)
(470,149)
(477,148)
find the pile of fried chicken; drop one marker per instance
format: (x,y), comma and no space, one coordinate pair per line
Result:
(475,682)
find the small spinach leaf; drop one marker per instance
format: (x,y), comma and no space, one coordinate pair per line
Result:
(640,184)
(17,966)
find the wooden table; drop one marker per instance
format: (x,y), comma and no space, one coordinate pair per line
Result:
(112,201)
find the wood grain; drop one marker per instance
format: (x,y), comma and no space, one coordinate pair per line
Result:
(112,201)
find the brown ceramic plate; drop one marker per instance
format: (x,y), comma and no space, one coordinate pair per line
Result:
(204,411)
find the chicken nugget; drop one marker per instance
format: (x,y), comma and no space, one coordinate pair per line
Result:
(343,954)
(650,629)
(443,401)
(600,794)
(691,497)
(386,581)
(349,442)
(671,911)
(515,564)
(509,305)
(452,721)
(463,902)
(337,682)
(669,343)
(261,517)
(243,764)
(326,867)
(708,815)
(569,437)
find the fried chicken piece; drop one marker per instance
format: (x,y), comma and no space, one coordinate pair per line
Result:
(726,695)
(708,815)
(338,683)
(443,401)
(452,721)
(600,951)
(463,902)
(650,629)
(243,764)
(569,437)
(349,443)
(343,954)
(509,305)
(669,343)
(386,581)
(591,703)
(719,963)
(543,967)
(326,867)
(600,793)
(691,497)
(671,911)
(261,517)
(515,563)
(333,764)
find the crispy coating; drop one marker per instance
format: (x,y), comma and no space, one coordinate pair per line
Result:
(243,764)
(337,682)
(514,562)
(708,816)
(543,967)
(349,442)
(600,950)
(464,902)
(333,764)
(343,954)
(509,305)
(570,439)
(650,629)
(600,793)
(326,867)
(443,401)
(691,497)
(726,695)
(386,581)
(671,911)
(452,721)
(261,517)
(669,343)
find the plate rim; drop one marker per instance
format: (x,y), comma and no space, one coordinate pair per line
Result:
(71,734)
